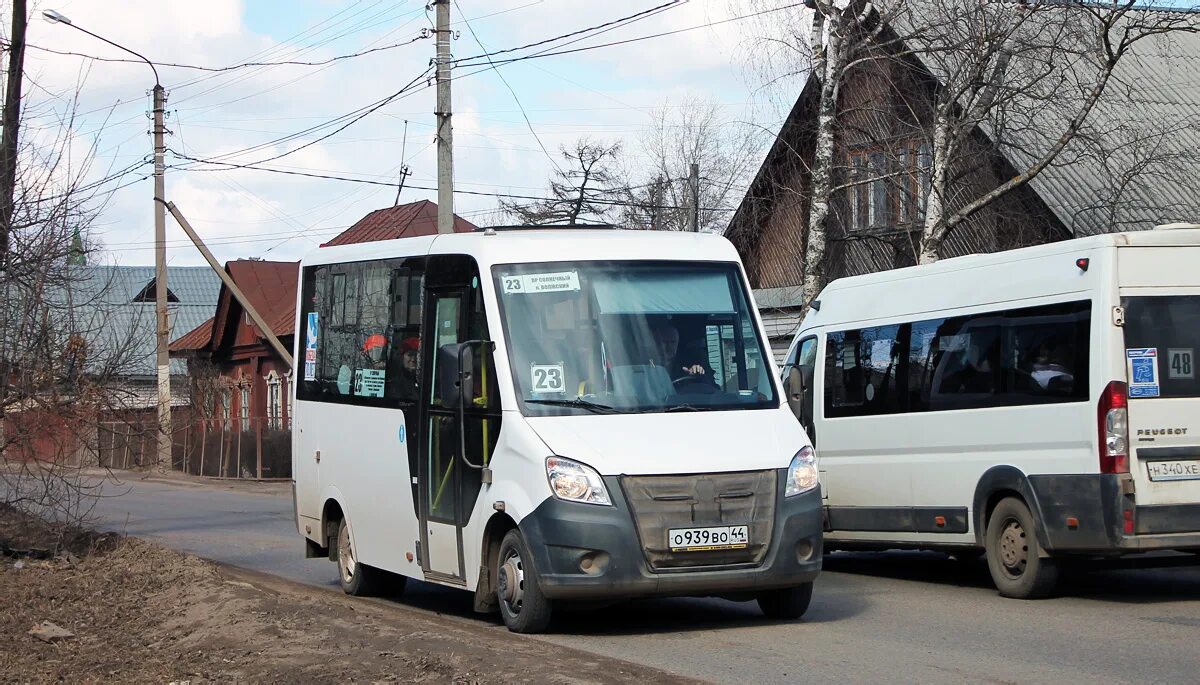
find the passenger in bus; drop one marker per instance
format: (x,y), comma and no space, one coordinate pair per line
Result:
(404,382)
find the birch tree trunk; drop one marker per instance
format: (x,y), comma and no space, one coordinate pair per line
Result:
(827,63)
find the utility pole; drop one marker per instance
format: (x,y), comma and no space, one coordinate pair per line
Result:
(163,463)
(694,184)
(161,325)
(445,130)
(11,124)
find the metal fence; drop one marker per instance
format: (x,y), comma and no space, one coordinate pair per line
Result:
(259,448)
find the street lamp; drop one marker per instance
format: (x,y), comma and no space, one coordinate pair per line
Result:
(160,250)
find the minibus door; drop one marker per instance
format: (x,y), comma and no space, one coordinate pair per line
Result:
(454,450)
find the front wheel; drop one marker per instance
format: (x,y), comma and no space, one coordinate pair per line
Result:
(1014,555)
(522,605)
(787,604)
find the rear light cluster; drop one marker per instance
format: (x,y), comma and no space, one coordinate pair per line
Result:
(1114,429)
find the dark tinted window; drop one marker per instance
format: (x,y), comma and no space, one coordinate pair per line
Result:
(1032,355)
(1171,326)
(861,371)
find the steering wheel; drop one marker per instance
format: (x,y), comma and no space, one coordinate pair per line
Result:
(699,380)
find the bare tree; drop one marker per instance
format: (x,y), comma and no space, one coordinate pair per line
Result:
(1027,78)
(63,352)
(578,193)
(693,130)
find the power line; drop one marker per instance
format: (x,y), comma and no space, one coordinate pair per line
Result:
(229,166)
(423,35)
(512,92)
(552,52)
(554,39)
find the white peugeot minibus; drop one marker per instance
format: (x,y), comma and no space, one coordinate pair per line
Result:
(549,416)
(1033,404)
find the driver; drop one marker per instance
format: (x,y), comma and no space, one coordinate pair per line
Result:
(666,352)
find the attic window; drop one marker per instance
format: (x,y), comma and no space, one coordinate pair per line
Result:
(147,294)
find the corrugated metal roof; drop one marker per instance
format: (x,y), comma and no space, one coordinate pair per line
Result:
(271,289)
(121,331)
(401,221)
(1148,124)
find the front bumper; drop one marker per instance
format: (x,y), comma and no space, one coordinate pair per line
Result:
(564,538)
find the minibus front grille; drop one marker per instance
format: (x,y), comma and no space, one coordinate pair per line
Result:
(660,503)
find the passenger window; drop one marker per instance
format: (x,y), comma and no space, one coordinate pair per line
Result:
(367,347)
(861,372)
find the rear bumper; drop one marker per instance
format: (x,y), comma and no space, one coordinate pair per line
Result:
(561,535)
(1102,504)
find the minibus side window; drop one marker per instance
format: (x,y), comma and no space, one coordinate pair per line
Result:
(862,368)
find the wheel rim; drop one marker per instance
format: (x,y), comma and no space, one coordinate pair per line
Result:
(346,563)
(1014,548)
(510,584)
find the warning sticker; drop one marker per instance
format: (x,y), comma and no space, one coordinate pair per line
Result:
(369,382)
(1143,371)
(540,283)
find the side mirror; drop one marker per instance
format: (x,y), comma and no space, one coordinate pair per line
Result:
(793,387)
(456,367)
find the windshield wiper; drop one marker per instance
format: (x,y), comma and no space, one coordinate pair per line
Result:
(594,407)
(684,407)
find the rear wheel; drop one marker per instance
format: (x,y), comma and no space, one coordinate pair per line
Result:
(787,604)
(522,605)
(357,578)
(1014,555)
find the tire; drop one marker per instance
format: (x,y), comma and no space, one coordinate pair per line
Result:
(522,605)
(358,580)
(1014,555)
(787,604)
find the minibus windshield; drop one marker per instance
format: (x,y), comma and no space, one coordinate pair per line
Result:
(631,337)
(1170,326)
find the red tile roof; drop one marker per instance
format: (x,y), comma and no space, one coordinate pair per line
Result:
(270,287)
(401,221)
(195,339)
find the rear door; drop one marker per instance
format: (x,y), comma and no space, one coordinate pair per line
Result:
(1162,340)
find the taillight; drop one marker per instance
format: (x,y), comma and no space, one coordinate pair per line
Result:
(1114,429)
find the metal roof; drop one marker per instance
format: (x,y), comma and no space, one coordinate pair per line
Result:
(402,221)
(101,310)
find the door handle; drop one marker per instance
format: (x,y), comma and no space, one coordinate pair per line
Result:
(317,456)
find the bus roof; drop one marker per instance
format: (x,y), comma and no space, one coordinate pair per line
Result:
(549,245)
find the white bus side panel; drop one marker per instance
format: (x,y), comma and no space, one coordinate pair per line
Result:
(364,464)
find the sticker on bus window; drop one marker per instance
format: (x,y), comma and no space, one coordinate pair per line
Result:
(1180,363)
(310,347)
(540,283)
(1143,371)
(369,382)
(547,378)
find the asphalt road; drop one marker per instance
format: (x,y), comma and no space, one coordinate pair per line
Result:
(895,617)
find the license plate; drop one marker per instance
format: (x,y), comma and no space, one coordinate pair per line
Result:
(1177,469)
(708,539)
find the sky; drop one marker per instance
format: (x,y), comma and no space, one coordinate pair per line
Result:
(608,94)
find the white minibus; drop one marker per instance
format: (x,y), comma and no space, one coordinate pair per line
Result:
(549,417)
(1033,404)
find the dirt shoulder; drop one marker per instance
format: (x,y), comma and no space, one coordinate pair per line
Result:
(139,612)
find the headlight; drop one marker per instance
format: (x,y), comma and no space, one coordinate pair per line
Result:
(802,474)
(574,482)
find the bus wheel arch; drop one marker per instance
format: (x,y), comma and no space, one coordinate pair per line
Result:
(331,521)
(997,484)
(493,534)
